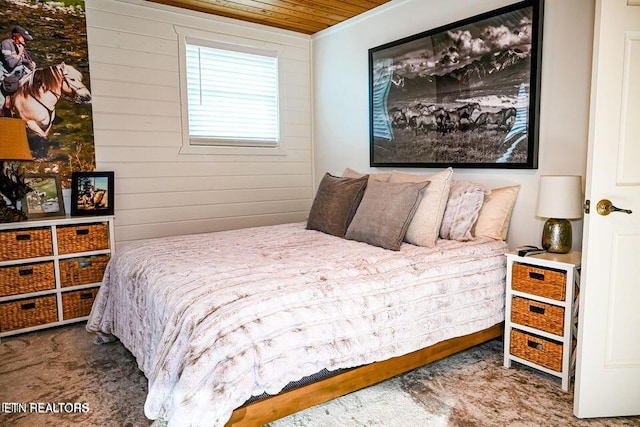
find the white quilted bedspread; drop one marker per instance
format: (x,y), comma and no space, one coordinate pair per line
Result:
(213,319)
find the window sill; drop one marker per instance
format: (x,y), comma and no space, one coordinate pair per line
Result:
(227,150)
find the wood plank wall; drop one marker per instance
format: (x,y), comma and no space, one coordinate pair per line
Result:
(133,54)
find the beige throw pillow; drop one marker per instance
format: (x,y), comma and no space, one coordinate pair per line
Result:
(385,213)
(495,215)
(425,226)
(380,176)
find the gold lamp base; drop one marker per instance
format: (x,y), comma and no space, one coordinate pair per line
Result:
(556,236)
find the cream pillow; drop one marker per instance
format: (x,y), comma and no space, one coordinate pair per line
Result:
(495,215)
(380,176)
(425,226)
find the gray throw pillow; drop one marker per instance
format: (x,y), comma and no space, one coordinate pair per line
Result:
(336,202)
(385,213)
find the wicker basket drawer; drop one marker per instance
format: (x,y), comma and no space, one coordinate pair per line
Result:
(26,278)
(25,243)
(533,348)
(544,282)
(82,238)
(535,314)
(82,271)
(29,312)
(78,303)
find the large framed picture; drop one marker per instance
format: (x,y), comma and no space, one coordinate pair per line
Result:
(92,193)
(463,95)
(45,197)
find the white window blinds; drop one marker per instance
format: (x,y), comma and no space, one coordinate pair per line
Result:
(232,96)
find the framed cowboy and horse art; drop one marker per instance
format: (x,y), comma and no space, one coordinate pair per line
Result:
(92,193)
(45,81)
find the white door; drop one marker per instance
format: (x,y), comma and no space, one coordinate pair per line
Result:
(608,358)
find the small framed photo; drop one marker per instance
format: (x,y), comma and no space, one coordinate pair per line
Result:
(45,197)
(92,193)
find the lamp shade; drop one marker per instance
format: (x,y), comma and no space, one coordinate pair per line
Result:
(13,140)
(560,196)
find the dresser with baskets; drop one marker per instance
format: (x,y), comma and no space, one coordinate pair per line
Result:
(541,312)
(50,270)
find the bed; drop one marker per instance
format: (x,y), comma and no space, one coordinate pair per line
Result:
(216,319)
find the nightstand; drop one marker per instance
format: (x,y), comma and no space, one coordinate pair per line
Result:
(51,269)
(541,312)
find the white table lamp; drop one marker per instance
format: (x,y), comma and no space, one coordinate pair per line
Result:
(559,199)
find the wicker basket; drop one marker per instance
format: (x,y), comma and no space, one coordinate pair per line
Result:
(82,271)
(82,238)
(78,303)
(26,243)
(544,282)
(26,278)
(26,313)
(536,349)
(535,314)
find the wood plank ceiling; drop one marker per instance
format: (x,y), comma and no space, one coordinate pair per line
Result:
(303,16)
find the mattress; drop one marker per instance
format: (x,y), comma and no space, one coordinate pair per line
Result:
(213,319)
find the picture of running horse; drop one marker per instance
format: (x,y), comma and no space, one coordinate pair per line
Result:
(39,92)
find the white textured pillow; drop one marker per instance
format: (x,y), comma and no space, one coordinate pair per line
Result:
(425,225)
(495,215)
(463,206)
(380,176)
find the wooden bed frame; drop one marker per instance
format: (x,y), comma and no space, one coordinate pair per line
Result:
(283,404)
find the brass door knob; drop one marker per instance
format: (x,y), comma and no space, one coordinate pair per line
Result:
(605,207)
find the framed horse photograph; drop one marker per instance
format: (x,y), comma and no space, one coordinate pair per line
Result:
(92,193)
(45,196)
(464,95)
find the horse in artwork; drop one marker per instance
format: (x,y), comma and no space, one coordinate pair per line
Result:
(39,92)
(94,199)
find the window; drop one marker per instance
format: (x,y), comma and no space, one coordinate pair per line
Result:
(232,95)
